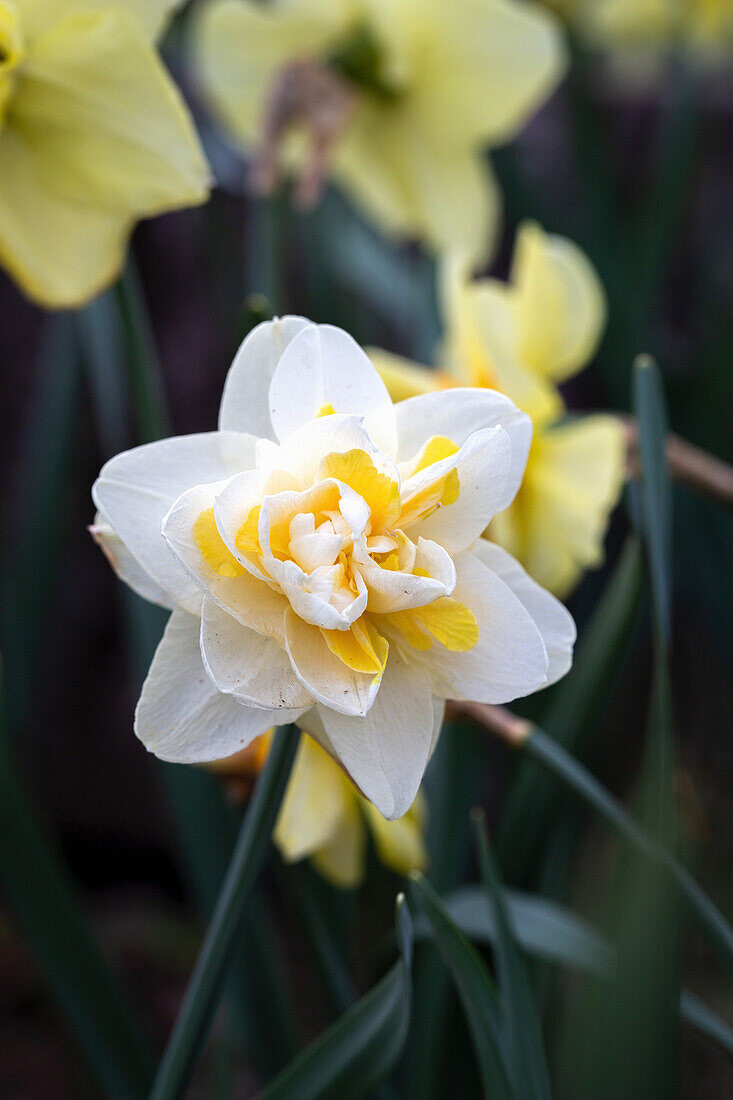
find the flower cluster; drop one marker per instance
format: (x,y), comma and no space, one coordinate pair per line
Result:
(321,554)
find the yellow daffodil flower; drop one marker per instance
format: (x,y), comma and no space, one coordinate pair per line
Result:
(93,136)
(639,32)
(321,555)
(400,96)
(324,818)
(523,338)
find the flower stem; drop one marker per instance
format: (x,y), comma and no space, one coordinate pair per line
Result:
(204,987)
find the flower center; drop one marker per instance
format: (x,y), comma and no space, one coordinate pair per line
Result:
(11,53)
(341,552)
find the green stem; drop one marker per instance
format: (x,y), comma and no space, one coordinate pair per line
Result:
(204,987)
(143,367)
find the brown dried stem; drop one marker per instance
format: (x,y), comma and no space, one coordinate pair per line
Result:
(687,464)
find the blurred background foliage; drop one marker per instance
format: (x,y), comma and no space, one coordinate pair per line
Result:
(639,174)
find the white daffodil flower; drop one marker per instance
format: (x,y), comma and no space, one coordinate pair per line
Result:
(321,555)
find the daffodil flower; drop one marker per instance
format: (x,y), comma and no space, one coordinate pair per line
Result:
(639,32)
(399,97)
(522,338)
(325,819)
(93,136)
(322,559)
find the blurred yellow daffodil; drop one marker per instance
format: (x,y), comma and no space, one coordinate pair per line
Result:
(400,97)
(93,136)
(523,338)
(323,816)
(640,31)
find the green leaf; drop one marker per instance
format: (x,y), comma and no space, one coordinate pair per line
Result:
(576,704)
(141,356)
(710,921)
(361,1048)
(42,895)
(32,542)
(204,988)
(543,928)
(705,1020)
(655,492)
(546,930)
(475,988)
(523,1025)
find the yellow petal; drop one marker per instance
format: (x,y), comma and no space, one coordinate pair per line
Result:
(560,304)
(96,137)
(342,859)
(356,469)
(317,802)
(447,620)
(415,184)
(574,476)
(400,844)
(362,648)
(152,16)
(483,346)
(212,547)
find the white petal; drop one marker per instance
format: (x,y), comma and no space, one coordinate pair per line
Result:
(302,452)
(484,468)
(248,598)
(386,752)
(322,674)
(324,366)
(392,590)
(311,595)
(242,663)
(508,661)
(181,716)
(136,489)
(457,413)
(127,568)
(552,619)
(245,405)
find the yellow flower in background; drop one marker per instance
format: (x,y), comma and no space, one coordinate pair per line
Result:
(93,136)
(522,338)
(401,97)
(640,31)
(324,818)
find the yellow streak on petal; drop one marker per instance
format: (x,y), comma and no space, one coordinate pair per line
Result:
(326,410)
(212,547)
(362,648)
(447,620)
(247,538)
(356,469)
(437,448)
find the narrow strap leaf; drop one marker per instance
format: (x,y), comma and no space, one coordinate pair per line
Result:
(204,988)
(523,1025)
(475,988)
(362,1047)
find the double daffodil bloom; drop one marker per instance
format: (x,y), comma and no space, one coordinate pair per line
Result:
(93,136)
(322,559)
(523,338)
(400,97)
(324,818)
